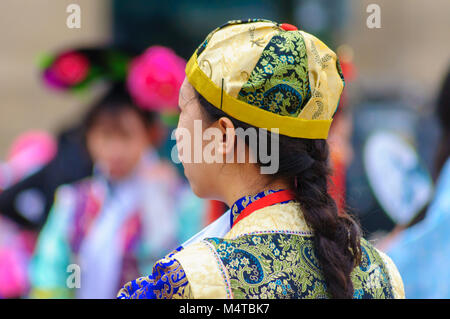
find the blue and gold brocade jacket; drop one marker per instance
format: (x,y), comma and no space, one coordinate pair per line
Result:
(268,254)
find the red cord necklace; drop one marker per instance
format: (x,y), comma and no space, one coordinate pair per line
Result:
(265,201)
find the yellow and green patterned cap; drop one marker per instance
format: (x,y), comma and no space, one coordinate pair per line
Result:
(269,75)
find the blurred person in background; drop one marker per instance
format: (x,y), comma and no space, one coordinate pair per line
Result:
(68,71)
(422,252)
(36,165)
(115,224)
(148,103)
(28,153)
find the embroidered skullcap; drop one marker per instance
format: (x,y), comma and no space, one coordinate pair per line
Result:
(269,75)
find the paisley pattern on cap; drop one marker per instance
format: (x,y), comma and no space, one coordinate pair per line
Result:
(279,82)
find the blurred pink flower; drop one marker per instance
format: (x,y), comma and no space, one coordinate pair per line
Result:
(16,248)
(13,279)
(29,151)
(155,78)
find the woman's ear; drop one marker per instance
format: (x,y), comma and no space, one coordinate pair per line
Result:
(226,145)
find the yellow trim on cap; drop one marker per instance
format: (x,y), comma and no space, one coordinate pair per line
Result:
(250,114)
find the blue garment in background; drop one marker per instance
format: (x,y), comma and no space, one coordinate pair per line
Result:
(422,252)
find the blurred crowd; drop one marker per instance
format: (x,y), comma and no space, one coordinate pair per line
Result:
(105,194)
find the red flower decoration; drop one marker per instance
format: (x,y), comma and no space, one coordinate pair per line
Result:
(70,68)
(288,27)
(155,77)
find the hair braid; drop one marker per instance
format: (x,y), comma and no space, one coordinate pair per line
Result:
(304,162)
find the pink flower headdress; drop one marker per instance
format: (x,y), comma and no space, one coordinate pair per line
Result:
(154,79)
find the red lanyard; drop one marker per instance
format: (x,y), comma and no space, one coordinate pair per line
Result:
(268,200)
